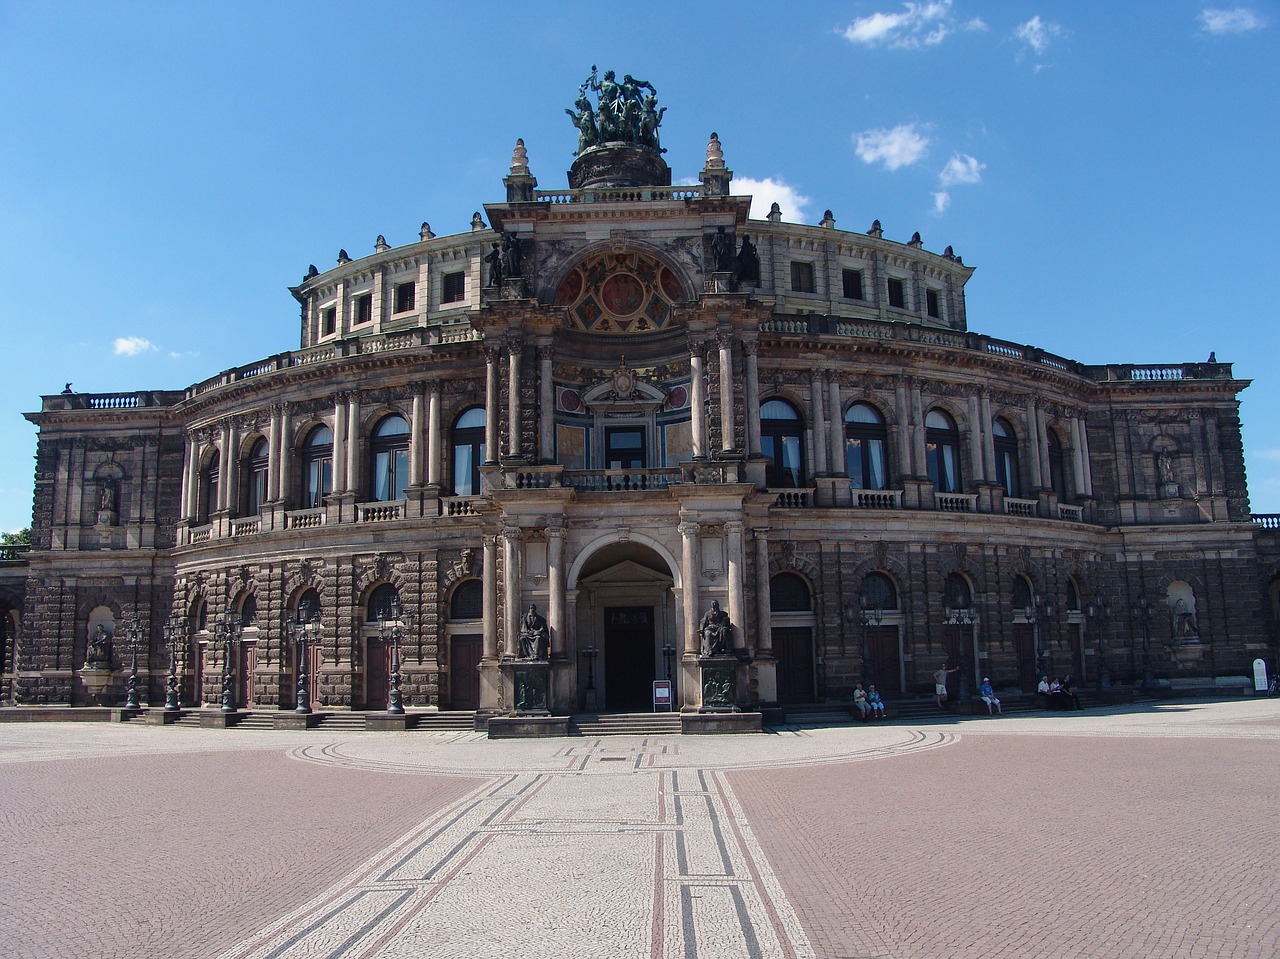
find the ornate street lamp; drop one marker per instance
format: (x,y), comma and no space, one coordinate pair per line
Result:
(174,633)
(1041,611)
(589,653)
(133,631)
(1099,613)
(965,616)
(1142,615)
(302,631)
(227,633)
(393,628)
(668,654)
(869,615)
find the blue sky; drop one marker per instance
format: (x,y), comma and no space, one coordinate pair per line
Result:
(170,168)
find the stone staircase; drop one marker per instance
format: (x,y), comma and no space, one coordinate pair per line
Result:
(625,724)
(450,721)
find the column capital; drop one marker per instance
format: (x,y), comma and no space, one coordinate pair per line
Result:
(512,534)
(489,539)
(555,532)
(688,529)
(546,351)
(724,340)
(734,527)
(492,353)
(751,347)
(515,342)
(697,345)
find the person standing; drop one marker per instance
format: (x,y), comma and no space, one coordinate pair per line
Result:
(940,683)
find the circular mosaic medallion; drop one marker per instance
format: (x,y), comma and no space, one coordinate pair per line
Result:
(623,294)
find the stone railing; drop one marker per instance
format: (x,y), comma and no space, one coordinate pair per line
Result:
(620,194)
(249,526)
(460,505)
(792,498)
(956,502)
(611,481)
(381,512)
(305,518)
(532,477)
(1267,520)
(877,498)
(1074,514)
(1020,507)
(200,534)
(13,554)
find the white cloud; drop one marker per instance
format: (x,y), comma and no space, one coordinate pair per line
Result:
(977,23)
(919,24)
(1239,20)
(132,345)
(764,193)
(961,168)
(899,147)
(1037,33)
(941,202)
(1272,455)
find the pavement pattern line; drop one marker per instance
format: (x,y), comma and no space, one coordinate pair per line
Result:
(617,838)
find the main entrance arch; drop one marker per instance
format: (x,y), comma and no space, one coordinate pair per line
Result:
(623,605)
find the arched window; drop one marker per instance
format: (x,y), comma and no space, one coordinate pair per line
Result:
(467,601)
(1073,596)
(865,442)
(209,488)
(1006,445)
(249,611)
(389,455)
(789,593)
(781,440)
(317,467)
(956,593)
(199,620)
(942,451)
(1023,596)
(384,603)
(467,451)
(1057,477)
(257,467)
(308,607)
(878,592)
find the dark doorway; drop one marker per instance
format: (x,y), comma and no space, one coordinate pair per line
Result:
(793,645)
(628,658)
(624,448)
(1024,640)
(377,673)
(464,671)
(883,663)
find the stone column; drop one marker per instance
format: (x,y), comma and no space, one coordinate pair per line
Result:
(340,443)
(751,348)
(819,420)
(273,456)
(284,486)
(903,414)
(353,441)
(1042,446)
(737,601)
(764,611)
(976,439)
(555,589)
(434,439)
(1034,442)
(835,421)
(988,449)
(728,437)
(514,348)
(1084,447)
(191,481)
(492,404)
(229,481)
(416,437)
(512,578)
(1077,460)
(490,597)
(918,428)
(689,575)
(698,400)
(546,406)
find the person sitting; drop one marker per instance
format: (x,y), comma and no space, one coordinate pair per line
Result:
(1069,698)
(1056,699)
(860,702)
(1042,692)
(988,694)
(876,703)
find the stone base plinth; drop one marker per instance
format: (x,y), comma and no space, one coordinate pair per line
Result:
(702,724)
(56,714)
(163,717)
(297,720)
(217,719)
(389,722)
(528,727)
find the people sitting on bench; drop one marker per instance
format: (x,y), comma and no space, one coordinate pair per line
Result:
(876,703)
(860,702)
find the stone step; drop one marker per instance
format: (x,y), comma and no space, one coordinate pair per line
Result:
(349,722)
(627,724)
(453,720)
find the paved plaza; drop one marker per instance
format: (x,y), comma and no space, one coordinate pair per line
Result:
(1148,831)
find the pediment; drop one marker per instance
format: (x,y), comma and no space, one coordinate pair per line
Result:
(628,573)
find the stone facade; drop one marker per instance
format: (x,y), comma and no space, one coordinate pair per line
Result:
(619,403)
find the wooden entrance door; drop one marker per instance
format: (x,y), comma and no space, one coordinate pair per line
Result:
(196,679)
(248,662)
(464,671)
(1024,640)
(884,663)
(793,646)
(956,641)
(377,673)
(628,658)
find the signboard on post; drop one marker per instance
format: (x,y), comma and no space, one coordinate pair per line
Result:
(1259,676)
(662,695)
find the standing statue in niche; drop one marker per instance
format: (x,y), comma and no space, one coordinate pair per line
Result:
(494,259)
(534,637)
(722,251)
(1184,621)
(512,257)
(748,263)
(1164,467)
(107,498)
(98,655)
(716,631)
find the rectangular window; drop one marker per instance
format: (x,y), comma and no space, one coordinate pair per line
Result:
(328,321)
(897,295)
(363,309)
(931,303)
(802,277)
(455,288)
(852,284)
(405,293)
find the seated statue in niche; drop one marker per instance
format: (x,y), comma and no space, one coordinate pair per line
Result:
(748,263)
(716,631)
(534,636)
(98,655)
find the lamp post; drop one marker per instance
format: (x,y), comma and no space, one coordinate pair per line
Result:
(589,653)
(133,631)
(668,654)
(1142,615)
(967,617)
(174,633)
(1099,612)
(394,629)
(302,631)
(869,615)
(227,633)
(1041,611)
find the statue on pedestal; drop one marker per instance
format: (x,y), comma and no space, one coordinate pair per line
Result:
(716,631)
(534,636)
(98,655)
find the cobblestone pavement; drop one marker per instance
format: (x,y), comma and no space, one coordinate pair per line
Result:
(1148,832)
